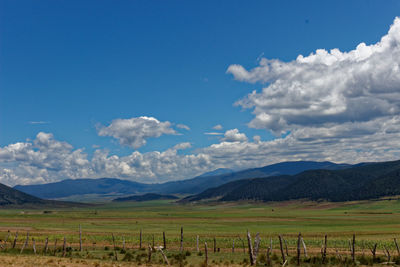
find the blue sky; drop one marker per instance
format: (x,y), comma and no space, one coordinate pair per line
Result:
(69,68)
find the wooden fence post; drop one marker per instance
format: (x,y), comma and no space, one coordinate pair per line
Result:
(286,246)
(298,249)
(324,250)
(181,248)
(5,240)
(15,240)
(304,247)
(64,247)
(55,247)
(353,250)
(140,239)
(115,249)
(282,253)
(46,246)
(80,238)
(26,242)
(215,245)
(197,243)
(206,254)
(150,250)
(233,246)
(164,241)
(164,256)
(257,241)
(34,245)
(250,245)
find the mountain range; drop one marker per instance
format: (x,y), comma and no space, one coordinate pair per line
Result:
(363,181)
(103,186)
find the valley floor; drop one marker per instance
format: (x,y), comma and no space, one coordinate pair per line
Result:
(371,221)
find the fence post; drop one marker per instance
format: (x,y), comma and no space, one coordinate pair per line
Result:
(281,246)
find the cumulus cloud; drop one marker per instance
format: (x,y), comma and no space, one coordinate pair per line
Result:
(183,126)
(218,127)
(133,132)
(336,106)
(234,135)
(326,87)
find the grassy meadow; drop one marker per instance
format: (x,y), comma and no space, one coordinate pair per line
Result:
(371,221)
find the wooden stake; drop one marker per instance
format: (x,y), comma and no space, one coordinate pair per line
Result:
(140,239)
(324,251)
(257,241)
(181,248)
(5,240)
(298,249)
(164,256)
(55,247)
(304,247)
(150,250)
(15,240)
(286,247)
(115,249)
(64,247)
(353,250)
(387,253)
(233,246)
(270,245)
(153,242)
(123,242)
(282,253)
(268,256)
(34,245)
(206,254)
(250,245)
(164,241)
(215,245)
(46,246)
(197,243)
(80,238)
(26,242)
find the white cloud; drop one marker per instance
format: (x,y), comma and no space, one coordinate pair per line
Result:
(213,133)
(218,127)
(183,126)
(39,122)
(134,132)
(336,106)
(326,87)
(234,135)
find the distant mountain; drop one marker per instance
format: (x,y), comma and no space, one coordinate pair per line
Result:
(219,171)
(10,196)
(201,183)
(71,187)
(15,198)
(363,181)
(145,197)
(194,185)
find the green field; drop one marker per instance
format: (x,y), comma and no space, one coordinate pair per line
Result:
(371,221)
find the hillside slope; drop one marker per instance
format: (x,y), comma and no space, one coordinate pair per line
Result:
(194,185)
(71,187)
(364,181)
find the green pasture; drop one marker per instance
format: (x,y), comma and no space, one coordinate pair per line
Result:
(371,221)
